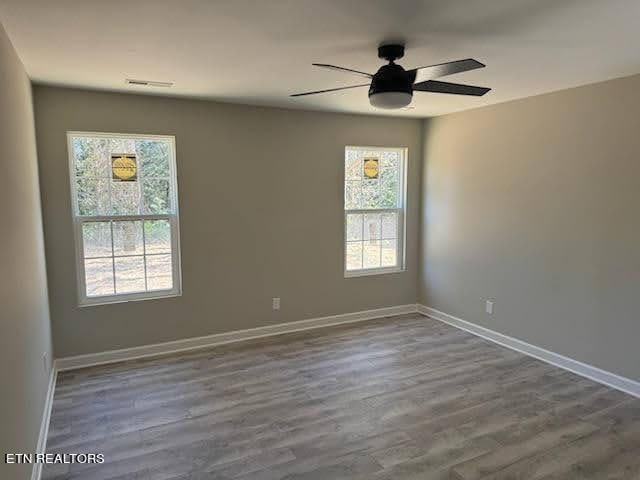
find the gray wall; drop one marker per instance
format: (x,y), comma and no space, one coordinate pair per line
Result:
(535,203)
(261,200)
(24,313)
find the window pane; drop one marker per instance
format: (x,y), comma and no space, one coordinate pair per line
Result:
(155,194)
(125,198)
(153,158)
(372,226)
(354,226)
(93,196)
(381,192)
(96,239)
(127,238)
(371,254)
(389,253)
(353,166)
(389,161)
(121,145)
(370,194)
(354,255)
(92,157)
(129,274)
(157,235)
(159,274)
(353,195)
(389,185)
(389,225)
(98,276)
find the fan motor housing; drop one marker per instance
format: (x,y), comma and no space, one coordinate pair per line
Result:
(391,78)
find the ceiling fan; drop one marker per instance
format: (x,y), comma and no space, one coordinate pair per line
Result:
(392,86)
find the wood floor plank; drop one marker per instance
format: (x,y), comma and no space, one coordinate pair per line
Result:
(601,455)
(398,398)
(503,457)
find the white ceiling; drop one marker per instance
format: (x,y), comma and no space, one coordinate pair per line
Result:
(260,51)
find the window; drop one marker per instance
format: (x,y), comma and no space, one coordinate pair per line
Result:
(125,212)
(374,202)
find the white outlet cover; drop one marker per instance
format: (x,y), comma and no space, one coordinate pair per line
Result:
(275,303)
(489,307)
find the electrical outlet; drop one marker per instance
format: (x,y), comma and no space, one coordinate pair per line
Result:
(45,364)
(488,306)
(275,303)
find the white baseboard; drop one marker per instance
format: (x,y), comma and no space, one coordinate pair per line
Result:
(41,447)
(113,356)
(612,380)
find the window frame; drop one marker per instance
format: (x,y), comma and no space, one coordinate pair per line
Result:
(78,220)
(401,210)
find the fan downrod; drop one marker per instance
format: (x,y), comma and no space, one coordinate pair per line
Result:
(391,52)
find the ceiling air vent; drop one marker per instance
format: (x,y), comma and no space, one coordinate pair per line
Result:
(148,83)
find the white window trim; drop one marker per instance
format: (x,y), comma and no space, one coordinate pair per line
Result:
(78,220)
(401,210)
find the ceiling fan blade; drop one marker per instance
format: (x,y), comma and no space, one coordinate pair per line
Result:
(328,90)
(342,69)
(446,87)
(435,71)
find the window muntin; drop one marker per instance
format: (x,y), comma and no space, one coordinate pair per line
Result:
(127,235)
(374,210)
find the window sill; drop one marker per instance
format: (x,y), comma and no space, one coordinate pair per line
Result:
(97,301)
(373,271)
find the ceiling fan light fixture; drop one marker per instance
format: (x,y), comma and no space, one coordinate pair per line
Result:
(392,86)
(390,100)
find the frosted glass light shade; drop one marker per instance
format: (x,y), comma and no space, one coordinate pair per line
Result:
(390,100)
